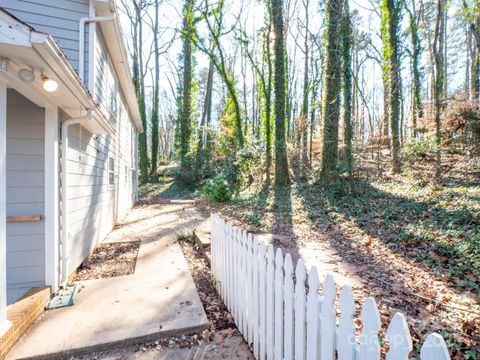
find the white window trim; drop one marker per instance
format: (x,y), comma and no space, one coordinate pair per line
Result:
(111,171)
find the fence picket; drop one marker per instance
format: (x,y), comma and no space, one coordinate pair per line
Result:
(256,303)
(262,292)
(231,281)
(213,229)
(312,315)
(328,319)
(249,292)
(369,348)
(229,256)
(434,348)
(229,275)
(238,276)
(288,294)
(346,328)
(220,240)
(245,286)
(222,244)
(279,320)
(212,243)
(242,275)
(270,329)
(237,272)
(300,311)
(399,338)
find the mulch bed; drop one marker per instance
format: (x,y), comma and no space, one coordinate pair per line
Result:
(110,260)
(217,313)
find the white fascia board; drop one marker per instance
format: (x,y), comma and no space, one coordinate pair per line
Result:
(13,32)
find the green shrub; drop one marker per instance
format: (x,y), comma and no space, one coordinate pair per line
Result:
(186,234)
(217,189)
(419,148)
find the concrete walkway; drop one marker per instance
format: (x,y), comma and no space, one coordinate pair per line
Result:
(159,299)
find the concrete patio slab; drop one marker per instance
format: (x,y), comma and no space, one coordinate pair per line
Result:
(159,299)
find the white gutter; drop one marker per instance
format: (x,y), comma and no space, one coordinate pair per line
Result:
(64,175)
(81,47)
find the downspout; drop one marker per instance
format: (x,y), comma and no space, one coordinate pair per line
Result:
(64,174)
(81,48)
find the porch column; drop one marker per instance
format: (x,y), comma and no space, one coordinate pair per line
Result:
(4,323)
(52,266)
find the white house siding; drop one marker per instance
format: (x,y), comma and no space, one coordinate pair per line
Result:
(94,204)
(25,194)
(59,18)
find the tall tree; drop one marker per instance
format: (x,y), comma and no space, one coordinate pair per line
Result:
(390,10)
(186,116)
(203,155)
(472,15)
(331,91)
(306,88)
(156,89)
(472,18)
(474,75)
(135,10)
(417,109)
(438,56)
(264,76)
(316,81)
(281,160)
(267,88)
(347,44)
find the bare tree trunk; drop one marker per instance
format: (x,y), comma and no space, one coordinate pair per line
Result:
(206,113)
(138,80)
(306,90)
(243,66)
(438,84)
(155,102)
(467,66)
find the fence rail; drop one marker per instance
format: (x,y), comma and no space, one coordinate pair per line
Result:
(282,314)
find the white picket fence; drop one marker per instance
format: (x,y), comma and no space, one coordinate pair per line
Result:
(283,319)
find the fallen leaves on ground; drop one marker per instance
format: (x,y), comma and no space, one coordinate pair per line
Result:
(109,260)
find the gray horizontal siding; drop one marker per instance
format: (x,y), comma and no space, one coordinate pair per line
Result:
(59,18)
(25,192)
(101,68)
(25,228)
(26,178)
(91,200)
(94,205)
(25,243)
